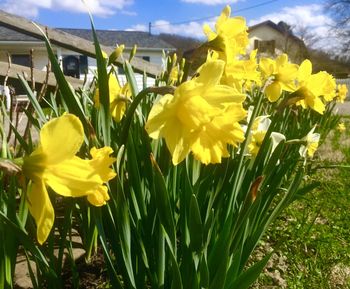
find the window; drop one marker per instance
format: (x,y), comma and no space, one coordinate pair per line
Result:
(71,66)
(267,46)
(83,64)
(21,59)
(121,70)
(146,58)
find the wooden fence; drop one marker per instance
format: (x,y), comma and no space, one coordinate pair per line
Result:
(64,40)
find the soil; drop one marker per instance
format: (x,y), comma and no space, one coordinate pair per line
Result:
(92,274)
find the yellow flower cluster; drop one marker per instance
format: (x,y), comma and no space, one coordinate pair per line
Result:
(202,116)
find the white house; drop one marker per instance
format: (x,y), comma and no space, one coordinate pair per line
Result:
(274,39)
(18,46)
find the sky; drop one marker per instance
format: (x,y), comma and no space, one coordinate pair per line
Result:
(184,17)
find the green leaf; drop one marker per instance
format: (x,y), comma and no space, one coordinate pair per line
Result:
(103,87)
(65,88)
(195,225)
(25,240)
(32,99)
(125,235)
(204,273)
(248,277)
(130,76)
(176,276)
(114,278)
(163,203)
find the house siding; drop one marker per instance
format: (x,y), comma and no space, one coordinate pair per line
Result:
(284,44)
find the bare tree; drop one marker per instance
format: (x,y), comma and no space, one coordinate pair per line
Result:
(340,11)
(305,34)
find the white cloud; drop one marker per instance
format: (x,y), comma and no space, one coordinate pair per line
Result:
(31,8)
(129,13)
(307,15)
(138,27)
(211,2)
(191,29)
(311,17)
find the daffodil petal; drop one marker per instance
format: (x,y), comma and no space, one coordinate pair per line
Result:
(224,16)
(223,94)
(209,32)
(267,66)
(178,141)
(316,104)
(273,91)
(211,72)
(72,178)
(159,115)
(41,209)
(61,138)
(305,70)
(99,196)
(282,59)
(101,162)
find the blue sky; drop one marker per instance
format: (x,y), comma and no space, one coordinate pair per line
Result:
(136,14)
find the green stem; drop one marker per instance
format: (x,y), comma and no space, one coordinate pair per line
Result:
(233,195)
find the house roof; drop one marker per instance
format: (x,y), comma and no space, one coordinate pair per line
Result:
(280,27)
(106,37)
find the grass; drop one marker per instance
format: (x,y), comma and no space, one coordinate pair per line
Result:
(311,240)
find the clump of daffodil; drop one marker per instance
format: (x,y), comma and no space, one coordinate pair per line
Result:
(201,117)
(280,74)
(342,92)
(54,164)
(341,127)
(230,37)
(311,144)
(311,88)
(118,96)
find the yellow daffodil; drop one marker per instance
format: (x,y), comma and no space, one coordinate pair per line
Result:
(342,92)
(202,116)
(117,97)
(104,55)
(231,36)
(242,72)
(312,139)
(54,164)
(341,127)
(311,87)
(280,74)
(258,131)
(118,51)
(174,75)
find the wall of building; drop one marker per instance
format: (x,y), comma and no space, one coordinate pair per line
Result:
(40,59)
(284,44)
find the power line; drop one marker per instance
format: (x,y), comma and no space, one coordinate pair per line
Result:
(211,17)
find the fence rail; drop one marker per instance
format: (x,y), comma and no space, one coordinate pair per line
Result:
(69,41)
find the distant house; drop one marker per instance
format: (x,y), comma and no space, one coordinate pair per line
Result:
(268,38)
(17,45)
(274,39)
